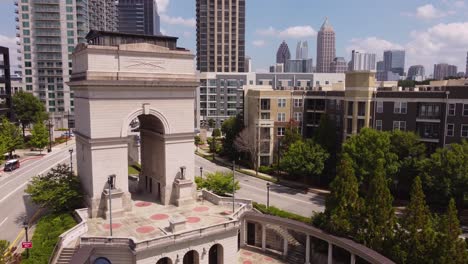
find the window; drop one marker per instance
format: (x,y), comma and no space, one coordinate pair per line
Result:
(25,24)
(69,2)
(281,102)
(361,108)
(465,110)
(281,131)
(265,104)
(281,117)
(69,9)
(350,108)
(24,8)
(27,40)
(400,107)
(27,64)
(27,56)
(70,41)
(69,17)
(69,25)
(400,125)
(70,33)
(297,102)
(452,109)
(27,48)
(450,130)
(298,116)
(25,16)
(379,107)
(464,131)
(26,32)
(29,87)
(29,79)
(28,72)
(378,125)
(265,116)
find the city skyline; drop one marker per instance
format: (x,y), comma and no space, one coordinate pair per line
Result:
(428,30)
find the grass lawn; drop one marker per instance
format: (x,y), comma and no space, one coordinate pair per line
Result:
(48,229)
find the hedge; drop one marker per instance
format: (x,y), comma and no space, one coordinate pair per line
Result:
(281,213)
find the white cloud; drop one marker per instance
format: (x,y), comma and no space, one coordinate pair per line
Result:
(428,12)
(258,43)
(162,5)
(459,4)
(440,43)
(187,22)
(291,32)
(10,42)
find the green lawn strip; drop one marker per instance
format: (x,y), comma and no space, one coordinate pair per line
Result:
(281,213)
(46,235)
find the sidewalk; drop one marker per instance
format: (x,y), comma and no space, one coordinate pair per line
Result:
(222,162)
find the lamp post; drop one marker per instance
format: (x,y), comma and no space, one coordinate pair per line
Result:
(110,184)
(26,227)
(268,195)
(49,125)
(233,184)
(201,172)
(71,161)
(279,158)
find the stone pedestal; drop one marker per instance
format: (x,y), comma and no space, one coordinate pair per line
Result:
(184,192)
(117,200)
(177,223)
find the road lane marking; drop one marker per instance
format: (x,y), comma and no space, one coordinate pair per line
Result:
(22,185)
(4,220)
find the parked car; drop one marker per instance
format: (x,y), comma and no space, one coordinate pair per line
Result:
(68,134)
(12,165)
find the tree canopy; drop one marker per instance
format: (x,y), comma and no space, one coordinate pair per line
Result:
(28,108)
(304,158)
(219,183)
(10,135)
(231,128)
(40,136)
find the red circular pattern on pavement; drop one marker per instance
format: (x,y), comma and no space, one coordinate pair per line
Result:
(193,219)
(201,209)
(145,229)
(142,204)
(247,262)
(268,259)
(226,213)
(159,217)
(114,226)
(247,253)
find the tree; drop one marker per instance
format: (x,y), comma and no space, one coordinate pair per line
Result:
(247,144)
(451,248)
(379,220)
(10,135)
(7,255)
(211,123)
(40,136)
(365,149)
(198,141)
(216,133)
(304,158)
(410,152)
(58,190)
(343,205)
(418,229)
(28,109)
(3,146)
(219,183)
(326,136)
(231,128)
(445,174)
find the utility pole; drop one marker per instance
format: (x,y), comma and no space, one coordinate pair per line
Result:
(268,195)
(71,161)
(49,125)
(110,184)
(233,184)
(26,227)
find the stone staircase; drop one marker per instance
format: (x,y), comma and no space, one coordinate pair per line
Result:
(296,251)
(66,255)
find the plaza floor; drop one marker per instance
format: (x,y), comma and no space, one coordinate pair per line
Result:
(150,220)
(251,256)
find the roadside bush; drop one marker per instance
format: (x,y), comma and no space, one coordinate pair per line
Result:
(219,183)
(266,169)
(48,229)
(281,213)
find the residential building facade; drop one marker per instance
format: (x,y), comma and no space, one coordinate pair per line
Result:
(444,70)
(220,35)
(326,50)
(102,15)
(416,73)
(138,17)
(48,32)
(283,55)
(5,83)
(362,61)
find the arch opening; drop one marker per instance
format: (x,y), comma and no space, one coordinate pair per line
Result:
(191,257)
(215,254)
(164,260)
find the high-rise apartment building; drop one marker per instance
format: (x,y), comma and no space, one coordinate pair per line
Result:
(326,51)
(5,83)
(394,61)
(362,61)
(338,65)
(48,31)
(138,17)
(302,50)
(102,15)
(283,55)
(416,73)
(220,35)
(444,70)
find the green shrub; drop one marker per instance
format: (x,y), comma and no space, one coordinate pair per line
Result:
(46,234)
(266,169)
(219,183)
(284,214)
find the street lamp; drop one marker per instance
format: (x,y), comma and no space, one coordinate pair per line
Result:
(110,185)
(268,195)
(233,184)
(279,158)
(26,227)
(201,172)
(71,161)
(49,125)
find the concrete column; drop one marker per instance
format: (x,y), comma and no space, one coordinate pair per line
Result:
(353,258)
(307,253)
(285,247)
(242,231)
(330,253)
(263,237)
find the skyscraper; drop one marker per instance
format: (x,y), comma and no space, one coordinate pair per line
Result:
(416,73)
(326,51)
(444,70)
(283,55)
(338,65)
(49,31)
(466,71)
(302,50)
(5,83)
(361,61)
(394,61)
(102,14)
(220,35)
(138,17)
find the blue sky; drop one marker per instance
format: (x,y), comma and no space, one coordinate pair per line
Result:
(430,31)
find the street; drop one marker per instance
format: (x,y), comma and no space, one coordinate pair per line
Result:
(282,197)
(15,205)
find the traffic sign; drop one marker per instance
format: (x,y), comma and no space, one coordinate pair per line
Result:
(26,244)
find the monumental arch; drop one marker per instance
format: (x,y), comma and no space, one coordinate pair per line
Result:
(116,79)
